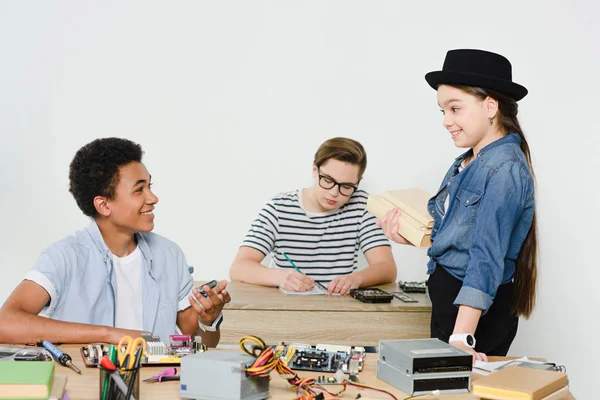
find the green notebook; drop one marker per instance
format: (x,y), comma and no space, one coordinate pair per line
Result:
(26,379)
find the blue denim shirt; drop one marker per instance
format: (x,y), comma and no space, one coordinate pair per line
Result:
(478,238)
(77,273)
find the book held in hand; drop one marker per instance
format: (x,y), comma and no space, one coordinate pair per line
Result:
(415,222)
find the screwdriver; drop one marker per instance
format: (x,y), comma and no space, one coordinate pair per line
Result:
(63,358)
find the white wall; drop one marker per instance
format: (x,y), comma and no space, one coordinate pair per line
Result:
(231,99)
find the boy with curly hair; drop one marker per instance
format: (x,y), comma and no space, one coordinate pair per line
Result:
(114,277)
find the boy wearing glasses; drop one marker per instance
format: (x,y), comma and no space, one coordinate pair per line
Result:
(320,229)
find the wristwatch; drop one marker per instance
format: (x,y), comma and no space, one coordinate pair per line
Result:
(214,326)
(465,338)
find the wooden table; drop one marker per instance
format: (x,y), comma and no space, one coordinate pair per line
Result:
(275,317)
(86,386)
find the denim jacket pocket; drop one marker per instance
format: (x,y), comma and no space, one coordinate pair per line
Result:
(465,210)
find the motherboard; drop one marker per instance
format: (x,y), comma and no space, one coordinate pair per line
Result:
(157,352)
(323,357)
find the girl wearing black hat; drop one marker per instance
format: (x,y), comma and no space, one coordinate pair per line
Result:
(482,263)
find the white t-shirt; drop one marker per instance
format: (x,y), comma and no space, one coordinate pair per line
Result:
(128,282)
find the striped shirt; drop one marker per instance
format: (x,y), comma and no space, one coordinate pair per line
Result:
(322,245)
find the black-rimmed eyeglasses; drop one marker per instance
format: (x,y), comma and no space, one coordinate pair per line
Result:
(345,188)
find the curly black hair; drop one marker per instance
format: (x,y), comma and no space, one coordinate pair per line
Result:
(94,170)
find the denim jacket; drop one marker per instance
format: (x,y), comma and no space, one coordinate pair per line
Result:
(77,273)
(478,238)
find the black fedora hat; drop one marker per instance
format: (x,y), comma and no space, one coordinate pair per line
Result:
(478,68)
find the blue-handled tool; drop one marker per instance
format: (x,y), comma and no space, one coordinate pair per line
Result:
(63,358)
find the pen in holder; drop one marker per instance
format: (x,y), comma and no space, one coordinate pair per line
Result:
(118,383)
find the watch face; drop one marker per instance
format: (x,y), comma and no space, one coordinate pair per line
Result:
(470,340)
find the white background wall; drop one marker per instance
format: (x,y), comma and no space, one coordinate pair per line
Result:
(231,99)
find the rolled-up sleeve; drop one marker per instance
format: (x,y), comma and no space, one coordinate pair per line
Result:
(499,210)
(186,282)
(46,274)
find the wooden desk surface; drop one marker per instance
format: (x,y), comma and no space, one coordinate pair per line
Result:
(253,297)
(86,386)
(272,315)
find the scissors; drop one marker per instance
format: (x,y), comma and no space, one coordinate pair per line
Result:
(127,349)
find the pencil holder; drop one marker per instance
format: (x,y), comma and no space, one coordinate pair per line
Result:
(122,384)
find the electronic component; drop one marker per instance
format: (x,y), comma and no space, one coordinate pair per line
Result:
(404,297)
(535,365)
(179,346)
(337,379)
(327,380)
(420,366)
(91,354)
(157,352)
(277,358)
(415,356)
(221,375)
(414,385)
(413,287)
(371,295)
(198,346)
(16,353)
(324,357)
(212,284)
(182,345)
(317,360)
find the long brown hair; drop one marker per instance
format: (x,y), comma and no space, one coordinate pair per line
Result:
(526,266)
